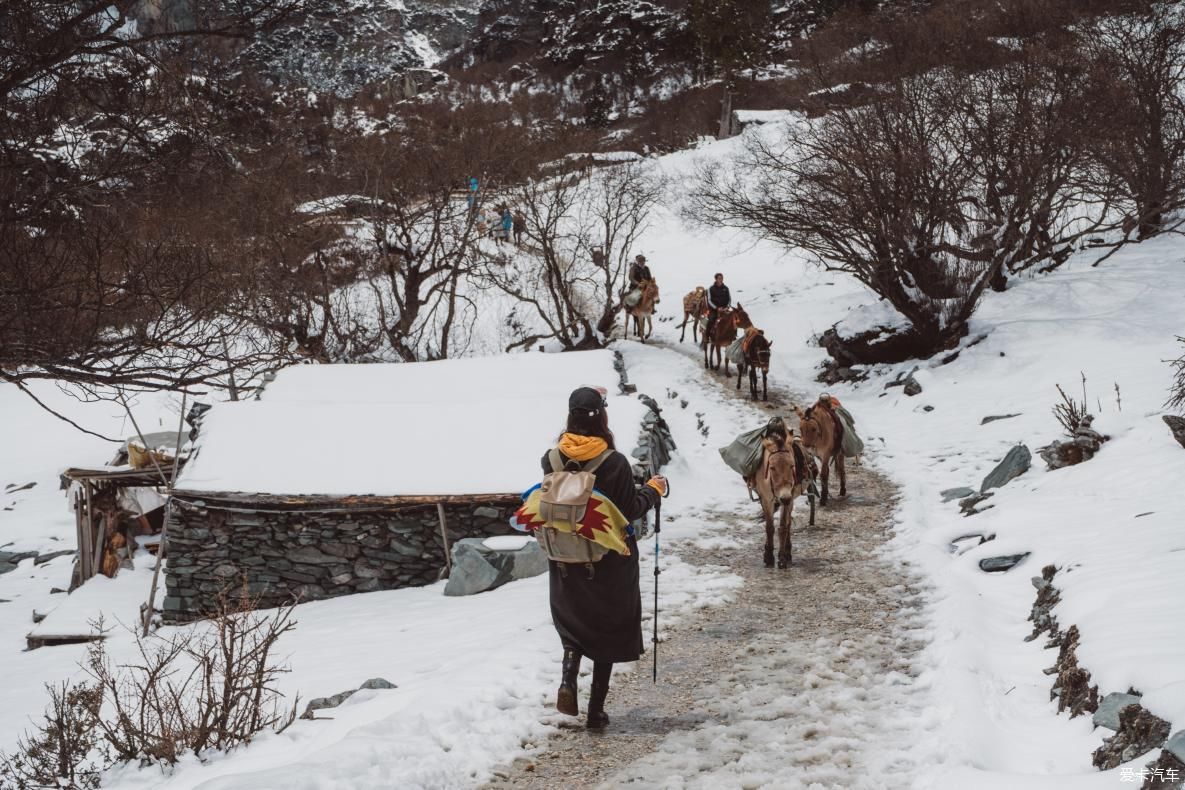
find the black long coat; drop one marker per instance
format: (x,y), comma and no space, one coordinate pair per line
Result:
(600,615)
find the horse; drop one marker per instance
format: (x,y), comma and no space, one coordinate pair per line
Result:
(724,332)
(693,308)
(775,486)
(821,436)
(756,357)
(643,311)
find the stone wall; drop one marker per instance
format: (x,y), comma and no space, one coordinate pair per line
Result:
(285,552)
(308,554)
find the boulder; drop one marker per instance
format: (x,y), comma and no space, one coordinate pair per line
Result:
(994,417)
(1001,564)
(1176,745)
(1177,426)
(377,683)
(1108,713)
(911,386)
(481,564)
(1015,463)
(962,492)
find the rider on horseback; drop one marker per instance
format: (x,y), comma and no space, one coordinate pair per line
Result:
(639,276)
(719,298)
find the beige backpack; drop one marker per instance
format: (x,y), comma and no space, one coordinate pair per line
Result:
(563,499)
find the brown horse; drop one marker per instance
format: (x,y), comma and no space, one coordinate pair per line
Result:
(724,332)
(756,357)
(776,489)
(821,436)
(693,307)
(643,311)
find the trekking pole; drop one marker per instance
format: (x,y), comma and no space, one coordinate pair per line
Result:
(657,530)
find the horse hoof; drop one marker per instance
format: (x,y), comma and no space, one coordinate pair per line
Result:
(783,564)
(769,560)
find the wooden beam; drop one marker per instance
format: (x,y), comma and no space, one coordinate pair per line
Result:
(240,499)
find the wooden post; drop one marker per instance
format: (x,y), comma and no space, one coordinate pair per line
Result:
(148,608)
(97,562)
(86,547)
(448,554)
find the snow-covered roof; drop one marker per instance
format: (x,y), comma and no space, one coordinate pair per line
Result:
(453,427)
(745,117)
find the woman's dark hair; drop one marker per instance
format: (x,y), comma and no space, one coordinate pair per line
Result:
(582,424)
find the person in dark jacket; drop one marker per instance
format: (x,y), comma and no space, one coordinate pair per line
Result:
(520,227)
(597,609)
(718,299)
(639,272)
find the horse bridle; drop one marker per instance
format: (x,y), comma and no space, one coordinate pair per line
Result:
(779,451)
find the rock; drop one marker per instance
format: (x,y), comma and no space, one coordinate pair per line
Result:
(486,512)
(911,386)
(994,417)
(1177,426)
(322,703)
(962,492)
(1139,732)
(377,683)
(12,488)
(1176,745)
(1108,713)
(1001,564)
(1015,463)
(968,505)
(478,567)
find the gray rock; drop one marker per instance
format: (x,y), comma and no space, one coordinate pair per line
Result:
(962,492)
(1176,745)
(1016,463)
(322,703)
(1108,713)
(477,567)
(994,417)
(1177,426)
(377,683)
(911,386)
(969,505)
(313,556)
(1001,564)
(486,512)
(16,557)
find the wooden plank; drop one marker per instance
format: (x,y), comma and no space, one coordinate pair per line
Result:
(88,526)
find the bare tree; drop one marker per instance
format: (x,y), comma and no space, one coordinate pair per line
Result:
(929,194)
(582,231)
(1139,145)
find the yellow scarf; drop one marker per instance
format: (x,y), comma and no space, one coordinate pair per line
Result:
(582,448)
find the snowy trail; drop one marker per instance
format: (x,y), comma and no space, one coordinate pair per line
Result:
(808,678)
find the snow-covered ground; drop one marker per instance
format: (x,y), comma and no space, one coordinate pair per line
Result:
(475,675)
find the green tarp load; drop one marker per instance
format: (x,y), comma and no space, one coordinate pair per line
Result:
(735,354)
(745,452)
(852,445)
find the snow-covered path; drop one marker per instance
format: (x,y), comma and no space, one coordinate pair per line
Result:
(808,678)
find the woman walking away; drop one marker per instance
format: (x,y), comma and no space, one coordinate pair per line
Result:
(597,606)
(520,227)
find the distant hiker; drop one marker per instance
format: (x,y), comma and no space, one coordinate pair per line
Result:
(596,602)
(520,227)
(472,199)
(506,223)
(718,299)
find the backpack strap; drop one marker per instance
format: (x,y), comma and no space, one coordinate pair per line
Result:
(592,465)
(557,461)
(553,458)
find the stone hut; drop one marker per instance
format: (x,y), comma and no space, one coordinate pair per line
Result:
(340,479)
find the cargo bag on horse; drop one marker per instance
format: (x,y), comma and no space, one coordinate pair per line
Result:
(736,352)
(850,443)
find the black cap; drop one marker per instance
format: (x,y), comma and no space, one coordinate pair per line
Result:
(586,399)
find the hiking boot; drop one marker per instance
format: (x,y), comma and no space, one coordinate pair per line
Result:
(565,698)
(597,718)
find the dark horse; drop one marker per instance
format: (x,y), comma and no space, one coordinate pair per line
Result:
(756,357)
(724,332)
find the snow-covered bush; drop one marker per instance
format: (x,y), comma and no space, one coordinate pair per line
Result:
(61,752)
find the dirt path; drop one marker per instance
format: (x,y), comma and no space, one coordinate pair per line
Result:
(785,686)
